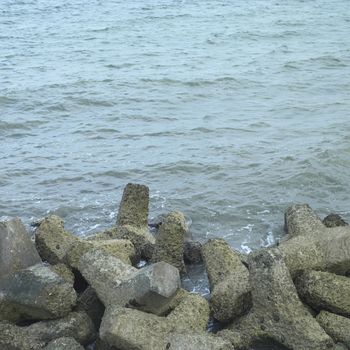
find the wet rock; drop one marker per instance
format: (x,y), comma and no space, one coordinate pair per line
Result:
(229,280)
(325,291)
(76,325)
(119,325)
(35,293)
(334,220)
(17,251)
(193,252)
(338,327)
(133,208)
(89,302)
(120,248)
(52,241)
(176,341)
(277,312)
(170,241)
(313,246)
(64,343)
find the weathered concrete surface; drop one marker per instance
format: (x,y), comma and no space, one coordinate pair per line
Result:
(132,329)
(202,341)
(35,293)
(104,273)
(120,248)
(313,246)
(338,327)
(193,252)
(52,241)
(277,312)
(170,241)
(76,325)
(141,238)
(89,302)
(229,280)
(17,251)
(64,343)
(325,291)
(119,284)
(133,208)
(334,220)
(63,271)
(153,287)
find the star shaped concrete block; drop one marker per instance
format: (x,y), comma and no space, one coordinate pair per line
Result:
(277,313)
(313,246)
(117,283)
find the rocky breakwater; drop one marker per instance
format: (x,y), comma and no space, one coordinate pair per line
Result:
(63,292)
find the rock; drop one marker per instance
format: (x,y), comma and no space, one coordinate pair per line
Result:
(313,246)
(104,273)
(133,208)
(63,271)
(277,313)
(325,291)
(52,241)
(141,238)
(17,251)
(229,280)
(64,343)
(151,287)
(170,241)
(193,252)
(89,302)
(119,325)
(76,325)
(338,327)
(35,293)
(202,341)
(120,248)
(334,220)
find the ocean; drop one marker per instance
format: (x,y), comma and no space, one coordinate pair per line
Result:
(230,111)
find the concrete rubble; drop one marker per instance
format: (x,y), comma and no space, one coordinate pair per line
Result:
(68,293)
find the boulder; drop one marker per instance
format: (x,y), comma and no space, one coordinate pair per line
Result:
(313,246)
(52,241)
(325,291)
(64,343)
(193,252)
(89,302)
(63,271)
(141,238)
(170,241)
(17,251)
(104,273)
(133,208)
(337,327)
(151,287)
(334,220)
(133,329)
(202,341)
(228,279)
(35,293)
(76,325)
(277,313)
(120,248)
